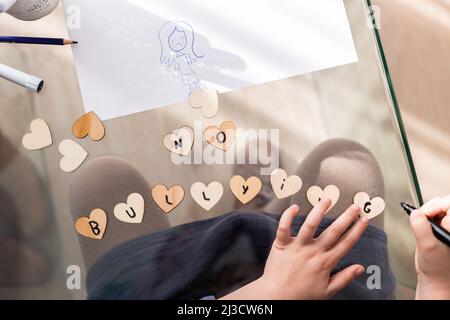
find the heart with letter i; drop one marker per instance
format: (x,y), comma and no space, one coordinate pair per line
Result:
(370,207)
(284,186)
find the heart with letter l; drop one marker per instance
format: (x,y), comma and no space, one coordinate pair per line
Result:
(207,100)
(221,137)
(180,141)
(207,196)
(89,124)
(132,211)
(315,194)
(167,199)
(73,155)
(40,136)
(370,207)
(93,227)
(284,186)
(245,190)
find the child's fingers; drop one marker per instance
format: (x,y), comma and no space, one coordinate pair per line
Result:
(284,227)
(347,242)
(343,278)
(437,208)
(339,226)
(312,221)
(422,230)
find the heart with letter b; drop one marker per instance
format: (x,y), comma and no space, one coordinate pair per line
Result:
(93,227)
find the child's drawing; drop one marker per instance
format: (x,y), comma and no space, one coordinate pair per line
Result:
(177,40)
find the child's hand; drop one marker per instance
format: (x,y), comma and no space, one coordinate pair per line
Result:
(432,256)
(300,267)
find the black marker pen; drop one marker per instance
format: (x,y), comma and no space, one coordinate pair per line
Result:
(440,233)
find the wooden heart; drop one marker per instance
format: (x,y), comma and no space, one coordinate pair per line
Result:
(40,136)
(180,141)
(93,227)
(167,199)
(245,190)
(132,211)
(207,196)
(315,194)
(221,137)
(284,186)
(89,124)
(207,100)
(73,155)
(370,207)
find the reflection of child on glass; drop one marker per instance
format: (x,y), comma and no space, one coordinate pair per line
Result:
(177,51)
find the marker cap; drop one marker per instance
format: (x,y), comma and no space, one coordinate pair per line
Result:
(34,84)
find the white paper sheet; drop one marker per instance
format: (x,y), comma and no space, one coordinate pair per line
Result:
(136,55)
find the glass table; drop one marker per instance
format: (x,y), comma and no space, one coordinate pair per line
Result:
(355,102)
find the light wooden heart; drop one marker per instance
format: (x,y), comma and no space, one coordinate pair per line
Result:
(167,199)
(207,100)
(73,155)
(245,190)
(315,194)
(132,211)
(207,196)
(40,136)
(89,124)
(221,137)
(180,141)
(370,207)
(284,186)
(93,227)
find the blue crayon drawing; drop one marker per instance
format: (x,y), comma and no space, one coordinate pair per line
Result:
(177,40)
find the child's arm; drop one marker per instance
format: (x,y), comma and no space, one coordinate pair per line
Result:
(300,267)
(432,256)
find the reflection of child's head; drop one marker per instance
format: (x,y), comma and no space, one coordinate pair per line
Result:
(176,37)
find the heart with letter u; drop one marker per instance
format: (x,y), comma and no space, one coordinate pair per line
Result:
(132,211)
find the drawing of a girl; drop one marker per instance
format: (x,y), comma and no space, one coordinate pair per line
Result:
(177,40)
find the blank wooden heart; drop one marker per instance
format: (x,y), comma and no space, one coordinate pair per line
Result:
(284,186)
(207,100)
(93,227)
(167,199)
(40,136)
(221,137)
(315,194)
(245,190)
(89,124)
(132,211)
(73,155)
(207,196)
(180,141)
(370,207)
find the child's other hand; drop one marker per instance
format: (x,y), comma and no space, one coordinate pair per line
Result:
(300,267)
(432,256)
